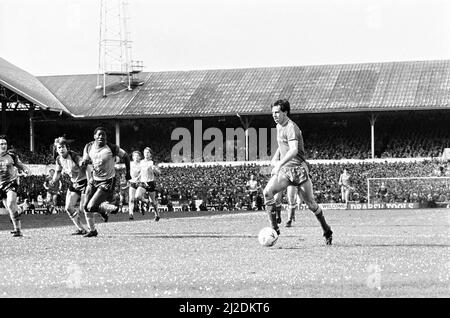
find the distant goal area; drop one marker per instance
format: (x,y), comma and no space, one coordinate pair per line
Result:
(416,192)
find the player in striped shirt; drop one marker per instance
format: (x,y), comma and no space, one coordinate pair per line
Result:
(68,162)
(10,165)
(53,189)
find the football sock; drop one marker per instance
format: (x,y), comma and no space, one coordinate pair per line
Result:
(156,209)
(75,217)
(90,220)
(278,211)
(291,212)
(321,218)
(131,208)
(271,212)
(16,221)
(77,221)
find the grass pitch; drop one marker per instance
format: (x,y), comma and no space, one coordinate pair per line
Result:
(383,253)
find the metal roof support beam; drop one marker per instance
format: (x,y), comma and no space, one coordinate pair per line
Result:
(31,115)
(117,125)
(245,122)
(372,119)
(104,84)
(3,122)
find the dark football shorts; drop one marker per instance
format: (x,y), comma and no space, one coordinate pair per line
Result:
(52,192)
(8,186)
(252,194)
(134,185)
(78,187)
(105,185)
(296,175)
(148,186)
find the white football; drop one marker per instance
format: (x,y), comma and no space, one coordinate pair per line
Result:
(267,236)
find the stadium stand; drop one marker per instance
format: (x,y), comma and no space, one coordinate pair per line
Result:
(331,103)
(392,86)
(173,99)
(224,186)
(422,136)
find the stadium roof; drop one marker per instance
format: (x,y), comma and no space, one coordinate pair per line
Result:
(391,86)
(29,87)
(78,93)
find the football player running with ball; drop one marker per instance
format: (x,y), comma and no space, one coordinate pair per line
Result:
(292,197)
(291,169)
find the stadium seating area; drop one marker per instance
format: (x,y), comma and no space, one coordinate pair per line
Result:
(325,138)
(329,147)
(42,156)
(398,136)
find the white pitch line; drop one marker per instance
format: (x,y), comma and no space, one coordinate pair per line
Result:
(184,235)
(395,236)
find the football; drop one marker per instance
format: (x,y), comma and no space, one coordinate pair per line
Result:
(267,236)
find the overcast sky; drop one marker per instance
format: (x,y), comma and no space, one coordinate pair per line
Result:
(50,37)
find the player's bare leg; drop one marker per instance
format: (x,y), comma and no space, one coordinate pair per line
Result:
(94,202)
(292,204)
(153,202)
(306,192)
(88,215)
(71,209)
(141,199)
(11,205)
(132,202)
(278,198)
(274,186)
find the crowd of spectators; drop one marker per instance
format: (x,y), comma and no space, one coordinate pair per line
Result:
(43,155)
(224,186)
(219,186)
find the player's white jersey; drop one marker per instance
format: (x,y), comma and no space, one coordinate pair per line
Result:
(135,171)
(345,179)
(147,171)
(252,185)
